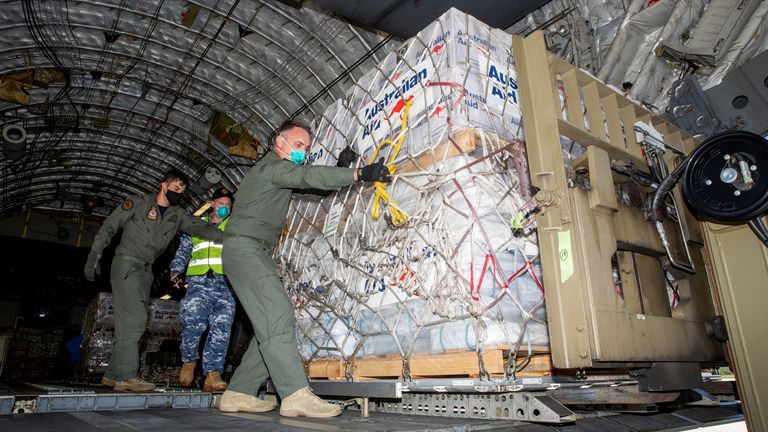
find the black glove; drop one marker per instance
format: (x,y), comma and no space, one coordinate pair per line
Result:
(375,172)
(346,158)
(92,267)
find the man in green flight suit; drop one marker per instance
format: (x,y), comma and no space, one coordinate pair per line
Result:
(149,222)
(262,205)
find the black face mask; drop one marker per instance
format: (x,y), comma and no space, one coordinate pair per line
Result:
(173,197)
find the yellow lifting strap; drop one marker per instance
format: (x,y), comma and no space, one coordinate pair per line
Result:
(398,217)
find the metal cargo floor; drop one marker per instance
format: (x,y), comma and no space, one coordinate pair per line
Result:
(167,419)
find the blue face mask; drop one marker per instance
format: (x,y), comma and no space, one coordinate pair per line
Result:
(222,212)
(298,156)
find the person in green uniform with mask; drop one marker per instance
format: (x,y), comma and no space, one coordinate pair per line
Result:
(149,223)
(262,205)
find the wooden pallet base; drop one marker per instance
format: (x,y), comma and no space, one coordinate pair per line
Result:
(450,364)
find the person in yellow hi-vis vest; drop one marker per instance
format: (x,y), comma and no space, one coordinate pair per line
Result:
(209,302)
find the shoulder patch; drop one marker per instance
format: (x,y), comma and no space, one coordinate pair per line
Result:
(127,204)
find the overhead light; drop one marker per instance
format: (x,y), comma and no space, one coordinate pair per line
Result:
(89,203)
(42,311)
(213,175)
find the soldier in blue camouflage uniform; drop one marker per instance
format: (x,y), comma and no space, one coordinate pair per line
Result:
(209,302)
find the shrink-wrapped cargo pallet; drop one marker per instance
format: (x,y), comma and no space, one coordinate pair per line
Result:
(34,353)
(162,315)
(98,338)
(430,263)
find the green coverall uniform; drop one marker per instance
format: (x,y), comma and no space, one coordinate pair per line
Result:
(146,234)
(262,205)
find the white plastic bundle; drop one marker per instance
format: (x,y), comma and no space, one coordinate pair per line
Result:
(440,268)
(162,315)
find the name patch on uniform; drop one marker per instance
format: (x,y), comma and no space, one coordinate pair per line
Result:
(152,213)
(127,204)
(173,218)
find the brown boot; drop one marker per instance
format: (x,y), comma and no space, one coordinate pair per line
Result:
(214,383)
(187,374)
(304,403)
(240,402)
(108,382)
(134,384)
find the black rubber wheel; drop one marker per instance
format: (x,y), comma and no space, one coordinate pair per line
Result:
(727,177)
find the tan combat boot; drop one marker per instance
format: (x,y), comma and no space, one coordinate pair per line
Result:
(108,382)
(214,383)
(187,374)
(240,402)
(134,384)
(304,403)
